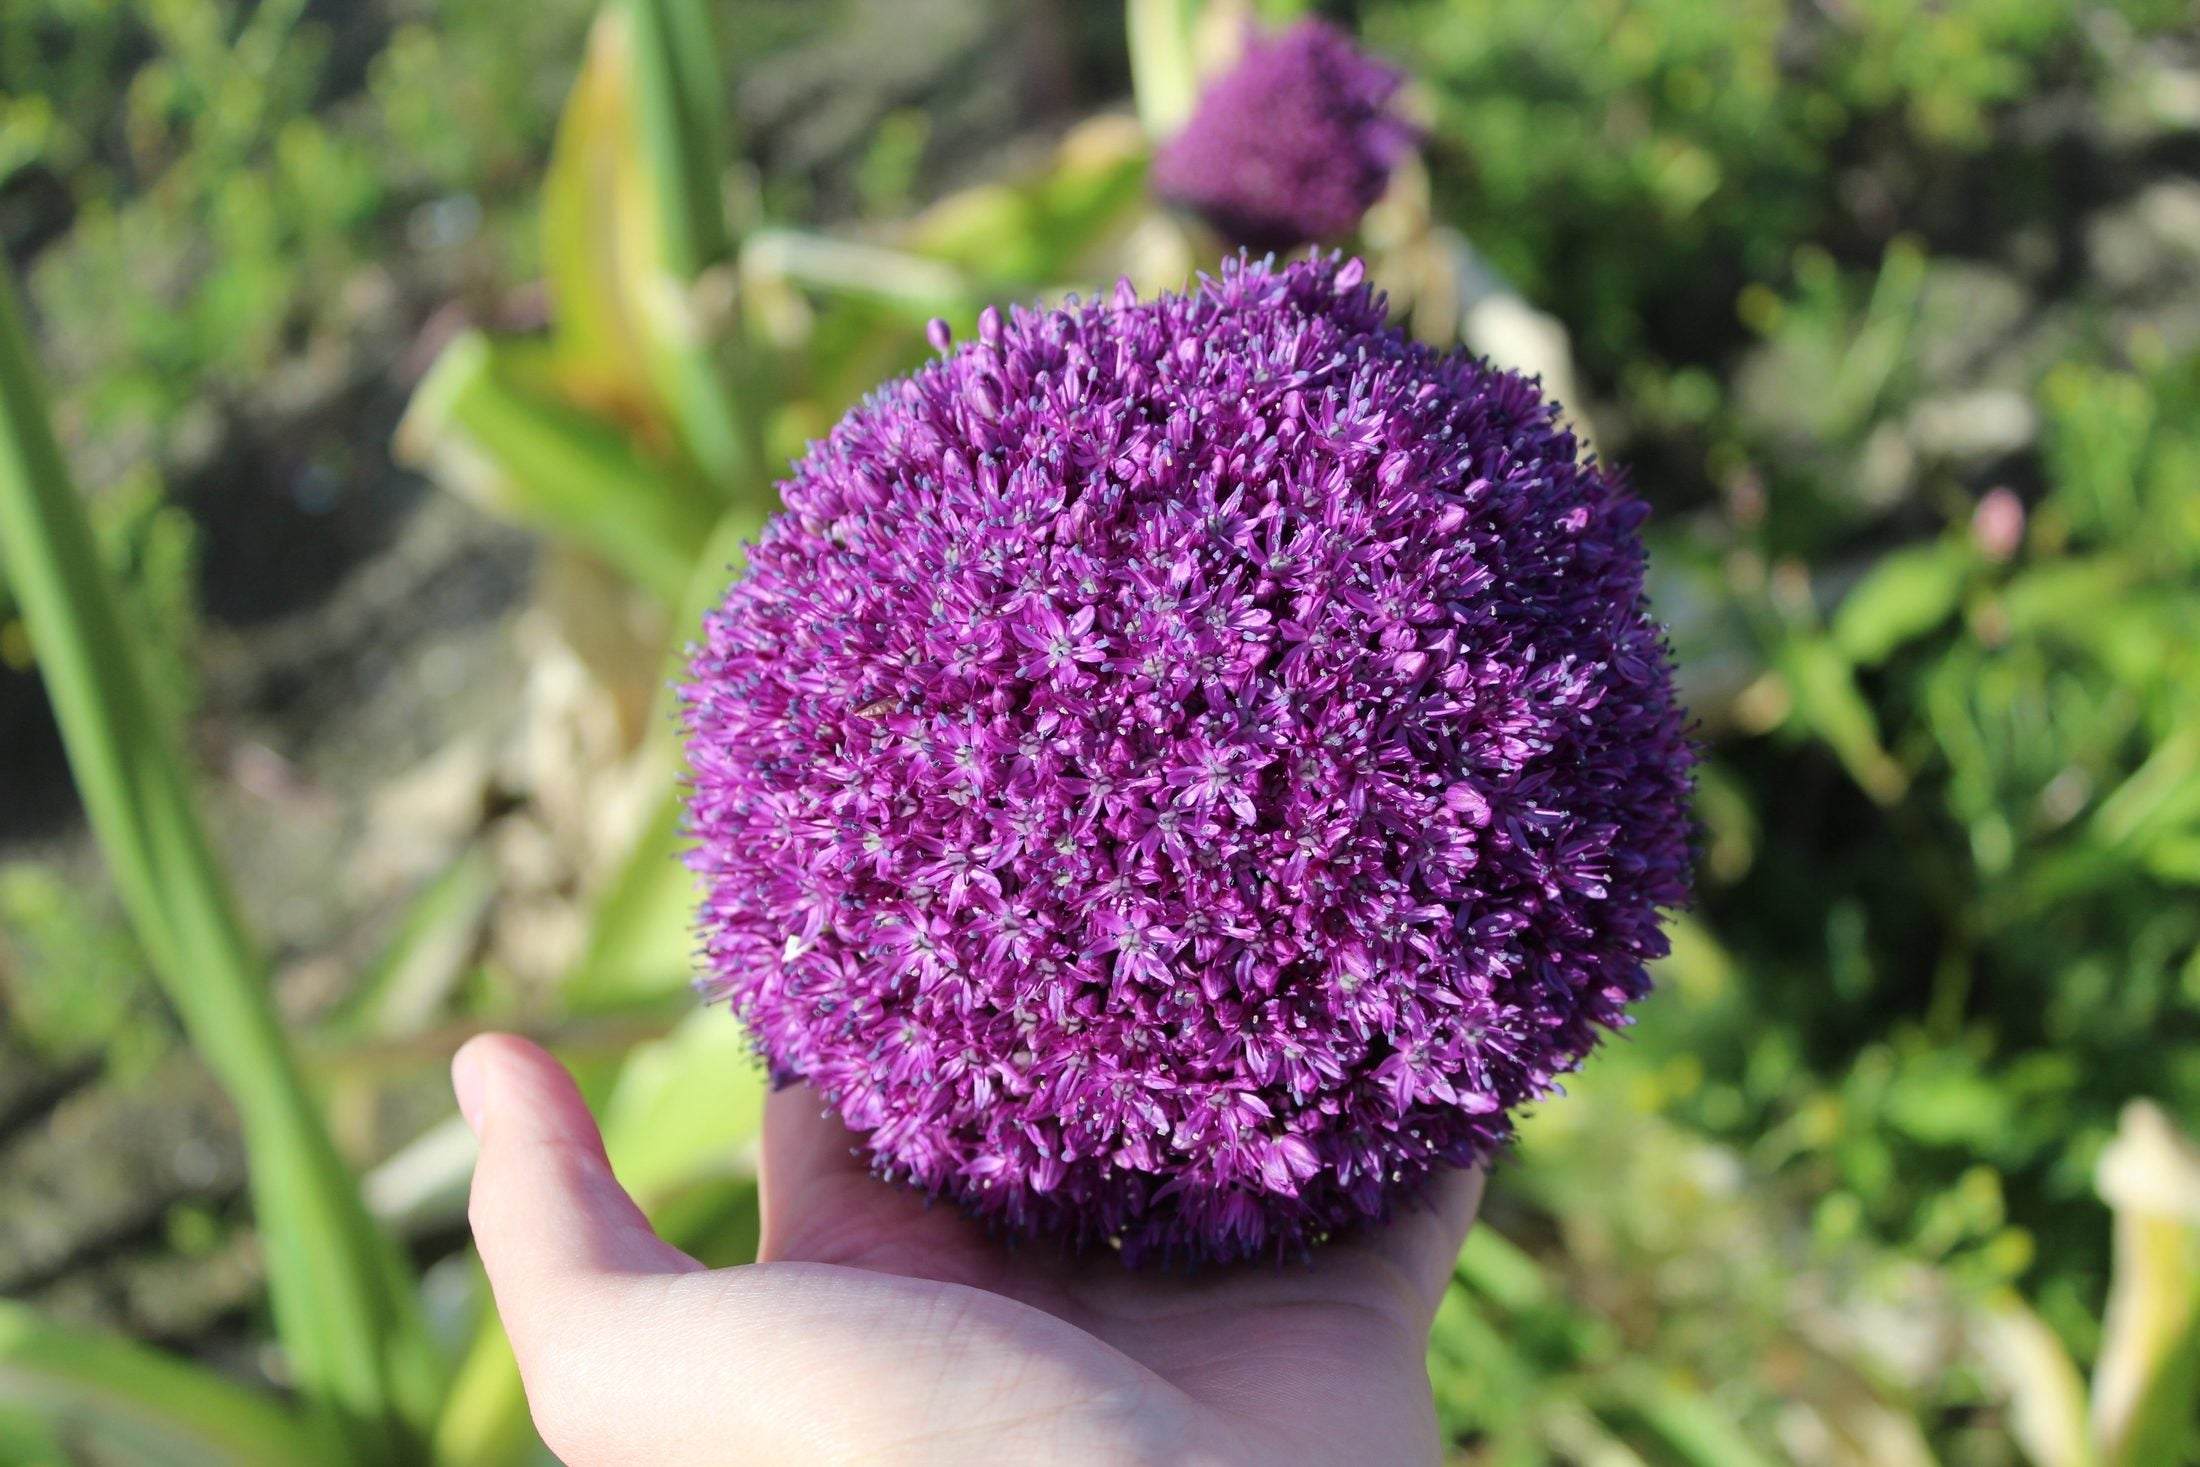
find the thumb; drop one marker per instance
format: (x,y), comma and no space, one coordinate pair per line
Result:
(556,1231)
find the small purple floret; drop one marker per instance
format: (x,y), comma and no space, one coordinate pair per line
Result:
(1291,144)
(1179,772)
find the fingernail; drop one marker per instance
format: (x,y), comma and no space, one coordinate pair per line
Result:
(467,1081)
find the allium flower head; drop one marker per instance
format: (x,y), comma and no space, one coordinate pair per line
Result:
(1291,144)
(1178,772)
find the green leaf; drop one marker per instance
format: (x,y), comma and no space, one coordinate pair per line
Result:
(2175,859)
(634,236)
(404,987)
(685,1106)
(724,559)
(1500,1270)
(1037,231)
(485,1421)
(641,934)
(1829,703)
(482,421)
(602,236)
(1687,1423)
(640,944)
(2162,793)
(913,285)
(1164,66)
(343,1300)
(146,1406)
(2065,597)
(683,118)
(2165,1420)
(1480,1371)
(28,1440)
(1905,595)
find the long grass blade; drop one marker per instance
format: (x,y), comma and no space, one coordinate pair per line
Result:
(343,1303)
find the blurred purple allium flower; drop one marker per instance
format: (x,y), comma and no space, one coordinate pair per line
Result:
(1177,772)
(1292,144)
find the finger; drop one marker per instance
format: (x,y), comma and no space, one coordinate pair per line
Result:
(819,1203)
(551,1221)
(817,1199)
(1424,1240)
(802,1150)
(632,1353)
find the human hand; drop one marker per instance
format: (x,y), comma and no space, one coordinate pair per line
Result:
(876,1329)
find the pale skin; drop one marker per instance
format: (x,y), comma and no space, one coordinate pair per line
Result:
(875,1329)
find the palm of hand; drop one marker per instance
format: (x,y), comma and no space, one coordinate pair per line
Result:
(876,1329)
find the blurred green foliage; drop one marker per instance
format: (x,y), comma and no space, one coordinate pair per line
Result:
(225,170)
(90,998)
(232,179)
(1929,551)
(1632,162)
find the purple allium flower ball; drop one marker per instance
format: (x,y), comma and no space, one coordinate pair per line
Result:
(1291,144)
(1179,772)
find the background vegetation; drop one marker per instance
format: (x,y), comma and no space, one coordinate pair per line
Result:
(1892,307)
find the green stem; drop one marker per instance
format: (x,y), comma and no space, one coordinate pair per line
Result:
(343,1303)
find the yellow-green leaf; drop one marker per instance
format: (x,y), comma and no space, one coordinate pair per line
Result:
(634,240)
(2146,1384)
(2046,1395)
